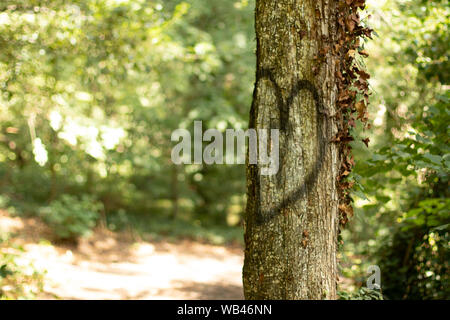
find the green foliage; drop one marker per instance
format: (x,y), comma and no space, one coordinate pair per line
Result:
(405,179)
(70,217)
(428,24)
(415,263)
(92,90)
(414,258)
(18,279)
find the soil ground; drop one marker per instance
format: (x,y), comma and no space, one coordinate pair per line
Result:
(119,266)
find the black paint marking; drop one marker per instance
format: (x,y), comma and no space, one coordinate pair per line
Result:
(284,108)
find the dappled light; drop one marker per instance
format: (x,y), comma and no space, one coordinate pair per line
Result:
(224,149)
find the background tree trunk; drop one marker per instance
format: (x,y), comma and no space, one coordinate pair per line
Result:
(291,222)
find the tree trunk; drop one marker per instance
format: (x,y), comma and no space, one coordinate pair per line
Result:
(291,221)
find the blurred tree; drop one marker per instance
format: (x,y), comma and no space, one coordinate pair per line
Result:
(91,91)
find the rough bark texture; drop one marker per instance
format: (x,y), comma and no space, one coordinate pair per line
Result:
(291,222)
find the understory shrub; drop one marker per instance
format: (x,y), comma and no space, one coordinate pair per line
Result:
(70,217)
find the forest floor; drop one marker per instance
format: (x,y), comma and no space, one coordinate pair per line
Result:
(113,265)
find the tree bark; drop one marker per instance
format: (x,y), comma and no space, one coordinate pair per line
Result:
(291,221)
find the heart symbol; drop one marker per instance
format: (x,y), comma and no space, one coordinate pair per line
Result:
(284,108)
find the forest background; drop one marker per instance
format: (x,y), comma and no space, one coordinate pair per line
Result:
(90,92)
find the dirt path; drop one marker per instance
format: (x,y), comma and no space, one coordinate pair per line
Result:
(115,266)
